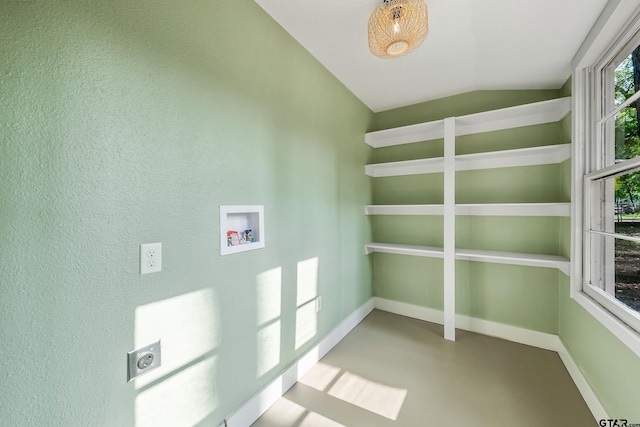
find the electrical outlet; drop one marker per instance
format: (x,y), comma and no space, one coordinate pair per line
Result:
(150,258)
(143,360)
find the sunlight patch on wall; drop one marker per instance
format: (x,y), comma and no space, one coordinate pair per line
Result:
(306,324)
(268,348)
(380,399)
(183,390)
(307,281)
(188,326)
(320,376)
(184,399)
(268,311)
(307,292)
(269,295)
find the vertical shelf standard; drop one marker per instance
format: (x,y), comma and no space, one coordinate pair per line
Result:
(450,229)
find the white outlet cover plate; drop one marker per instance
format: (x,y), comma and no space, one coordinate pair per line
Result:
(133,356)
(150,258)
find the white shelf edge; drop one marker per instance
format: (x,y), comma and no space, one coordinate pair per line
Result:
(548,154)
(515,258)
(427,131)
(514,209)
(398,249)
(476,209)
(407,167)
(545,155)
(404,210)
(512,258)
(535,113)
(531,114)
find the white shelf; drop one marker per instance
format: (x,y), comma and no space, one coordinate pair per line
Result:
(405,135)
(408,167)
(483,209)
(550,154)
(506,118)
(515,209)
(404,210)
(513,258)
(413,250)
(514,117)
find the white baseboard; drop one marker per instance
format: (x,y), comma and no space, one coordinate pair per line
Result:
(258,404)
(598,411)
(507,332)
(480,326)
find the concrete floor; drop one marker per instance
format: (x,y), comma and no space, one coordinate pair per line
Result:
(392,371)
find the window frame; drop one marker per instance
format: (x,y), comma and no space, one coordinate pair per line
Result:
(617,28)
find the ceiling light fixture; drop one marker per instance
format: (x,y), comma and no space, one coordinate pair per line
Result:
(398,27)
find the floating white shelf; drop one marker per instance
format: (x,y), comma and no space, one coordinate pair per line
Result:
(408,167)
(505,118)
(388,248)
(404,210)
(483,209)
(405,135)
(515,209)
(550,154)
(514,258)
(519,116)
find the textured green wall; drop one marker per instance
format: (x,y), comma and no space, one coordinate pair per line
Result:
(610,367)
(128,122)
(521,296)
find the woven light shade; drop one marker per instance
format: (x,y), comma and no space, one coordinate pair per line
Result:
(398,27)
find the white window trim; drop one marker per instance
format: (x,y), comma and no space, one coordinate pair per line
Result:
(601,43)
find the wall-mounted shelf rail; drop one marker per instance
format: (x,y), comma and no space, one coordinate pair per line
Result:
(550,154)
(406,134)
(506,118)
(408,167)
(413,250)
(496,257)
(479,209)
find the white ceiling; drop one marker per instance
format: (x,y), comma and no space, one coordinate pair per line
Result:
(472,45)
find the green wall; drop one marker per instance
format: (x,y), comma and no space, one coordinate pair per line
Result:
(128,122)
(610,367)
(520,296)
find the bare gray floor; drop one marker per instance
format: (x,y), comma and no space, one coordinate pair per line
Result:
(392,371)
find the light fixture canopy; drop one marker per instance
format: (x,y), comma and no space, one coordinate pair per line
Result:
(398,27)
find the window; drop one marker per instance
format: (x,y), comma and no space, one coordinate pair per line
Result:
(606,240)
(612,191)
